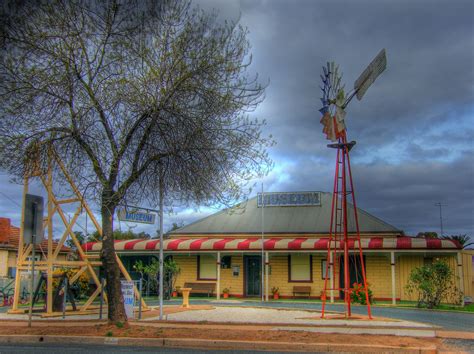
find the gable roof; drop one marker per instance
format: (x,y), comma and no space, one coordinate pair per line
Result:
(246,218)
(10,237)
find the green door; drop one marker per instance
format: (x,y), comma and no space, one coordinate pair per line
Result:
(253,267)
(355,272)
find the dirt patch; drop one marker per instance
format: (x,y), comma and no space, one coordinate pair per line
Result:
(226,333)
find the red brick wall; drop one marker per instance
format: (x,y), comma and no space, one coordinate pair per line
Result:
(4,229)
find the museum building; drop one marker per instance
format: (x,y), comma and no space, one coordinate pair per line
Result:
(284,239)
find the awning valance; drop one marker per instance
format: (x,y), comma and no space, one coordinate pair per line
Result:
(273,244)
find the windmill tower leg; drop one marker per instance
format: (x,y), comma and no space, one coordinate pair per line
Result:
(347,285)
(358,241)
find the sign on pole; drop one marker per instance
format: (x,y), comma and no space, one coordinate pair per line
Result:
(33,221)
(136,216)
(128,297)
(373,70)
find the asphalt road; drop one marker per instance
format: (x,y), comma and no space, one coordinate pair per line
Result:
(452,321)
(100,349)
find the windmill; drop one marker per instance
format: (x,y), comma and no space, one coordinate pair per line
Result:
(341,243)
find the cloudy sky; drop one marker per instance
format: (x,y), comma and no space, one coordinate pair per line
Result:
(414,127)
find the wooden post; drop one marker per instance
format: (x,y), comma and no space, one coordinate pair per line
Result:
(267,265)
(394,290)
(461,277)
(218,285)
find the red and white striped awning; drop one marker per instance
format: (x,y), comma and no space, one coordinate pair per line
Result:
(274,244)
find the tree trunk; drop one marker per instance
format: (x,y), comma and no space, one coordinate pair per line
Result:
(116,307)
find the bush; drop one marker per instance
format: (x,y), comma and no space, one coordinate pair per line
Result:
(80,287)
(433,283)
(358,294)
(171,271)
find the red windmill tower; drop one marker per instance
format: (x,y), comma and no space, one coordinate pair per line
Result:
(345,260)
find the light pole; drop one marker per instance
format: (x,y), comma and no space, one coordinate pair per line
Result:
(440,205)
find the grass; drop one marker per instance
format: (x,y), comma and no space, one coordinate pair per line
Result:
(413,305)
(467,308)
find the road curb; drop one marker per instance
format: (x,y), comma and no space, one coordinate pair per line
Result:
(210,344)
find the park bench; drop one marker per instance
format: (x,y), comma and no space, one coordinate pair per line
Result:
(302,290)
(201,288)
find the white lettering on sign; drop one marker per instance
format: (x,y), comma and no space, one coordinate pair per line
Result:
(128,297)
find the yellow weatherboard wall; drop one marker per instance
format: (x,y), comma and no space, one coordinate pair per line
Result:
(3,263)
(468,272)
(379,275)
(377,266)
(188,266)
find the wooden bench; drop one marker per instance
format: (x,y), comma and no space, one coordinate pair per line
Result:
(302,290)
(201,288)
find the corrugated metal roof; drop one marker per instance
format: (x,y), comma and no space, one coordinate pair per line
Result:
(246,218)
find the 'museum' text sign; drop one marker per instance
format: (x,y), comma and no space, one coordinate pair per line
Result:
(136,216)
(289,199)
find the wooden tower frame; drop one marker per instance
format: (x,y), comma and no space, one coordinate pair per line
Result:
(86,262)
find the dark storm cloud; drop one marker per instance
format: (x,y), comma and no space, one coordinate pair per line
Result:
(429,47)
(413,127)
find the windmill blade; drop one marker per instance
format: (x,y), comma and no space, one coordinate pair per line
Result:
(368,76)
(338,85)
(333,70)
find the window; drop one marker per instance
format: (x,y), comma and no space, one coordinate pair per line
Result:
(323,270)
(300,268)
(206,267)
(225,262)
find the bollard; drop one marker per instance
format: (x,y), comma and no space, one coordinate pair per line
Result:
(64,298)
(140,299)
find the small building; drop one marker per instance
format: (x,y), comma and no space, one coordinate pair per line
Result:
(9,240)
(286,237)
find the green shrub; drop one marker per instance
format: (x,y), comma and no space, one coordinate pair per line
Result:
(433,283)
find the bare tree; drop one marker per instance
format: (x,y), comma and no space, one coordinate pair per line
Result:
(126,92)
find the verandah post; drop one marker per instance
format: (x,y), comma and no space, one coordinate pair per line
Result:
(218,285)
(392,265)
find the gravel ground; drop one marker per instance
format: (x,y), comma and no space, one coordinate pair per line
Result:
(275,316)
(448,320)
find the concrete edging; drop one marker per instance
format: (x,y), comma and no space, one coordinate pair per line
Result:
(206,343)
